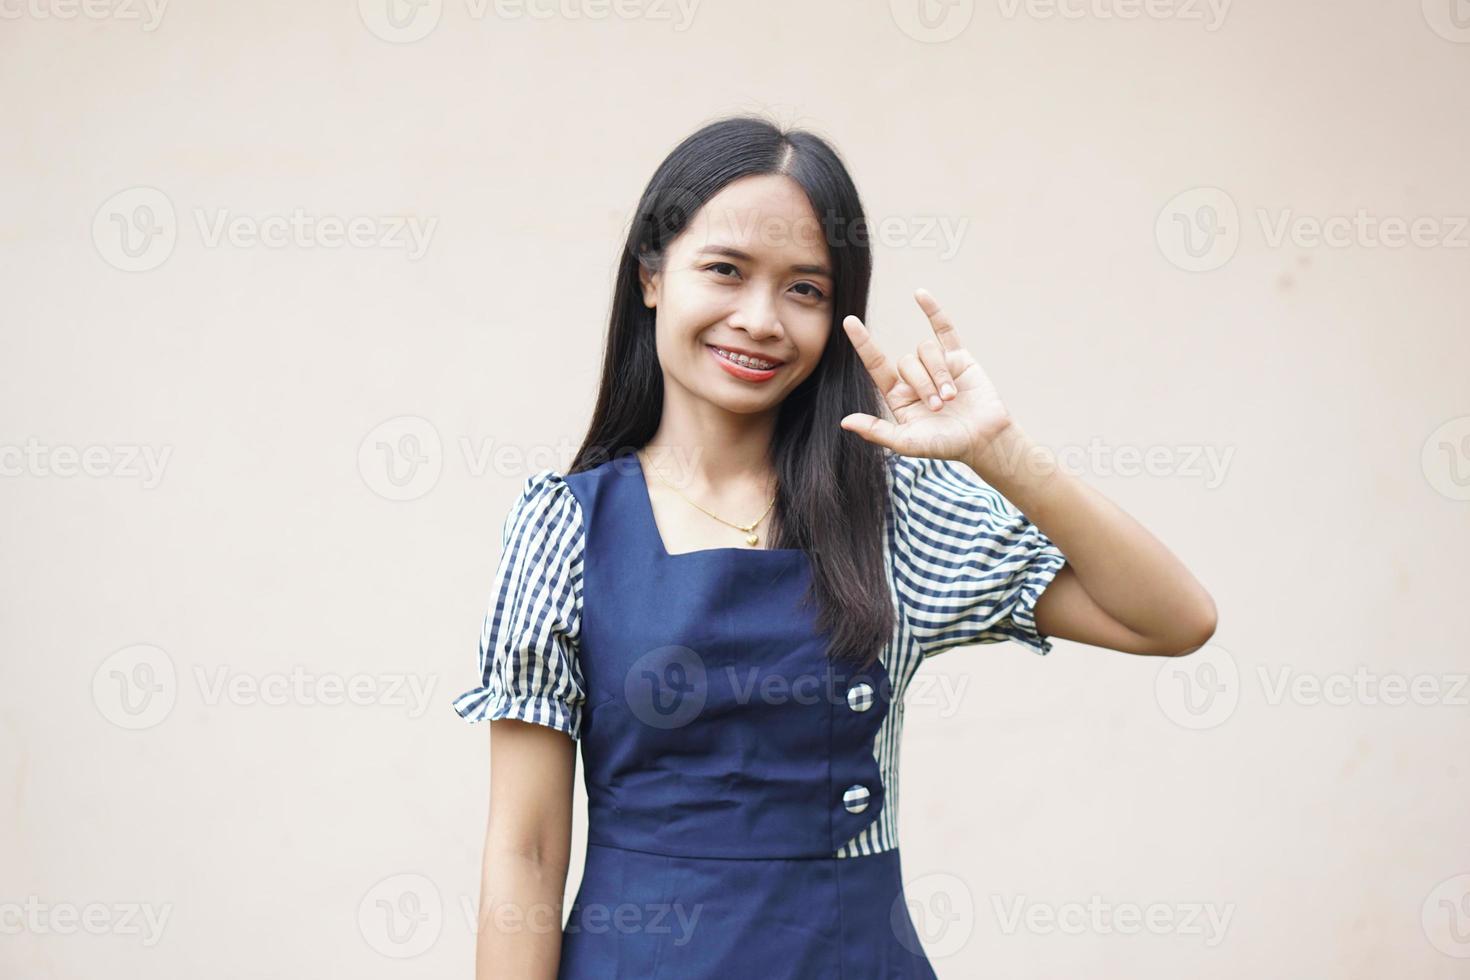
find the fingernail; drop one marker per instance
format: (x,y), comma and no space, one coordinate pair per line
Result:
(935,403)
(947,390)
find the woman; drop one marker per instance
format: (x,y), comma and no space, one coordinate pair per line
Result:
(726,596)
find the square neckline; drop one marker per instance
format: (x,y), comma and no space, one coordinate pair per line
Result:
(646,506)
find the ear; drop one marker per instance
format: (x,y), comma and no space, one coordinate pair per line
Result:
(650,286)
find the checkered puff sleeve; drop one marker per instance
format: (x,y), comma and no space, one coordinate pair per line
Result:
(529,641)
(968,566)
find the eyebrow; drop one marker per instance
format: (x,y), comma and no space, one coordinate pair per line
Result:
(735,253)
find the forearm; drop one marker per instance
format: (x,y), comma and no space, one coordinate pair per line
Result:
(519,933)
(1127,571)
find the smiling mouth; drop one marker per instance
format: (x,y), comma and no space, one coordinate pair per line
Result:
(745,361)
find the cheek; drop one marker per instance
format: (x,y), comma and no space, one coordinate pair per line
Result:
(692,294)
(811,333)
(682,313)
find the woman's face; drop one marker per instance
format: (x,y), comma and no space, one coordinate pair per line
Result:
(749,274)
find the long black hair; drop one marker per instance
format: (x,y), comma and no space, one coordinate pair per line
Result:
(831,490)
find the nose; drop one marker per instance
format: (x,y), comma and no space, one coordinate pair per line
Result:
(756,314)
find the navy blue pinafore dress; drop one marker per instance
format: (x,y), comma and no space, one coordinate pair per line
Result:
(726,759)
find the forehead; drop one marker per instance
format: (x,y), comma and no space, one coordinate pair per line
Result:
(766,215)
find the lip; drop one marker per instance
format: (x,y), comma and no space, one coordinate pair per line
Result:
(739,371)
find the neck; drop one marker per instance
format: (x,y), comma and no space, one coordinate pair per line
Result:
(706,446)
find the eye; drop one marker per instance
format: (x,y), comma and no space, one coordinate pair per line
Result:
(815,293)
(720,265)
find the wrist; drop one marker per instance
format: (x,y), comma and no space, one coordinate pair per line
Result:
(1012,459)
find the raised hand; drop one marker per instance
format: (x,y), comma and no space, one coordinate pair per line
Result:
(943,404)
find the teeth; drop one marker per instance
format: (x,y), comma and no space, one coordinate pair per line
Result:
(744,361)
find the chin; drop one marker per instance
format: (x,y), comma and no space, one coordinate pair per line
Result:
(754,404)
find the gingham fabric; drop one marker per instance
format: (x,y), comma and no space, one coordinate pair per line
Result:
(964,567)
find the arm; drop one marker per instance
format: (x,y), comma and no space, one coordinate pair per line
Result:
(527,850)
(1121,588)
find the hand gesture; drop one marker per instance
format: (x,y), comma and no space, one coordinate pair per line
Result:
(943,404)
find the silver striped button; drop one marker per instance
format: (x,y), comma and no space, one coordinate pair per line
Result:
(855,800)
(860,697)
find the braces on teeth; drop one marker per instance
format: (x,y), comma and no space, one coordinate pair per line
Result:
(742,359)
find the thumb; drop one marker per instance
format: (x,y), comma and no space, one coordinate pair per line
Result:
(871,428)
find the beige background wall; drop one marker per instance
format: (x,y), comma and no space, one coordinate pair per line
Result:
(226,674)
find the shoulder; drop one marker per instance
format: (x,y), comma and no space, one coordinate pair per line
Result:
(547,511)
(543,487)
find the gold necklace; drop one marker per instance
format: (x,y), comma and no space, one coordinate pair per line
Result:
(750,536)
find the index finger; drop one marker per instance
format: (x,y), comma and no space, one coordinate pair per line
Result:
(880,368)
(944,328)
